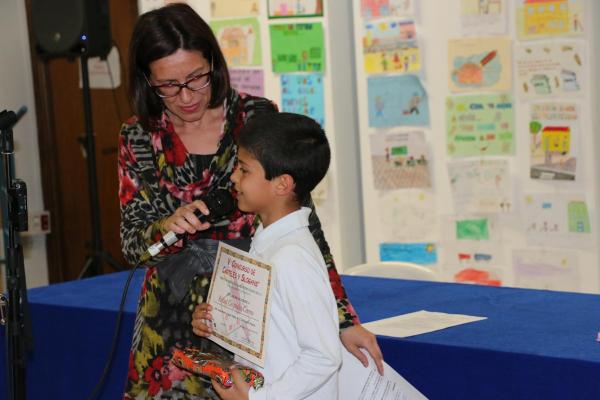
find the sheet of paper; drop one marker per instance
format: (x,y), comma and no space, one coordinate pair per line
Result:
(417,323)
(400,160)
(104,74)
(295,8)
(481,186)
(240,295)
(480,125)
(397,100)
(543,18)
(391,46)
(249,81)
(234,8)
(557,219)
(359,383)
(297,47)
(547,269)
(548,69)
(418,253)
(386,8)
(554,144)
(303,94)
(477,64)
(239,40)
(483,17)
(473,261)
(407,216)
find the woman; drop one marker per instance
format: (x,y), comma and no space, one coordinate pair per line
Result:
(181,145)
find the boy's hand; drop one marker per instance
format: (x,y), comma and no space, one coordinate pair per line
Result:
(239,390)
(356,337)
(184,220)
(202,320)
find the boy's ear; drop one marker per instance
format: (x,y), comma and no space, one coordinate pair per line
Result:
(284,184)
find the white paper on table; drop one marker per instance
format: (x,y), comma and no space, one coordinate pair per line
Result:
(417,323)
(359,383)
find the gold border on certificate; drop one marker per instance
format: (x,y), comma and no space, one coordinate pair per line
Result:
(229,280)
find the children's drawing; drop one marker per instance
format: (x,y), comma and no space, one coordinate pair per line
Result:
(297,47)
(557,219)
(550,68)
(418,253)
(400,160)
(483,16)
(249,81)
(234,8)
(474,262)
(479,63)
(295,8)
(397,100)
(481,125)
(407,216)
(546,269)
(386,8)
(391,46)
(303,94)
(554,131)
(542,18)
(481,186)
(239,40)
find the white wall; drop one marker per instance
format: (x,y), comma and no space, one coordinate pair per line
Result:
(16,90)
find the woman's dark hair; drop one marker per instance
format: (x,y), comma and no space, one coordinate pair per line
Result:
(160,33)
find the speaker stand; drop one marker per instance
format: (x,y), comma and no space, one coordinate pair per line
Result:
(97,255)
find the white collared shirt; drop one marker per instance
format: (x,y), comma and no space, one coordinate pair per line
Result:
(303,349)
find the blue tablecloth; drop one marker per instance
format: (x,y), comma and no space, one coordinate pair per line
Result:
(534,345)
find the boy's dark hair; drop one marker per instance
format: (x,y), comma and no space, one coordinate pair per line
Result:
(285,143)
(160,33)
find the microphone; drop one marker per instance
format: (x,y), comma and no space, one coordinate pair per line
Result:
(8,119)
(219,203)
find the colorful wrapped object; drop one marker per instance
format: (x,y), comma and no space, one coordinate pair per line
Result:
(210,365)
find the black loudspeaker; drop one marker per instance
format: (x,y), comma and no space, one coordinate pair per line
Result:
(71,27)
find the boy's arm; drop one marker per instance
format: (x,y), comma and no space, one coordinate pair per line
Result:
(308,305)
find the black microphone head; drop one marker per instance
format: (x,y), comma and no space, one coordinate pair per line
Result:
(220,203)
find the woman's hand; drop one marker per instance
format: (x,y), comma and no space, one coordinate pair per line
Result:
(355,338)
(184,220)
(202,320)
(239,390)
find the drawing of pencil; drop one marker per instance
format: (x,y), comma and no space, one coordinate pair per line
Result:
(489,57)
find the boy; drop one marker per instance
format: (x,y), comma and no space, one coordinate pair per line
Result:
(281,158)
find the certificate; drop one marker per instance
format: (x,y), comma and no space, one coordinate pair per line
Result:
(240,295)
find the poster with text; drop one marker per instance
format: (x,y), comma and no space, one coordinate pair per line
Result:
(546,269)
(295,8)
(549,69)
(400,160)
(543,18)
(234,8)
(391,46)
(557,219)
(239,40)
(480,125)
(387,8)
(407,216)
(297,47)
(249,81)
(554,133)
(303,94)
(481,186)
(397,100)
(479,17)
(478,64)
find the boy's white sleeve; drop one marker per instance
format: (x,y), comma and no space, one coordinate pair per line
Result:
(307,299)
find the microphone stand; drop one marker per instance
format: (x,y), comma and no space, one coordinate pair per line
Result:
(16,317)
(93,264)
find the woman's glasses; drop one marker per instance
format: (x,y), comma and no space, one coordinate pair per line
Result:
(172,89)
